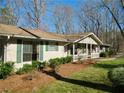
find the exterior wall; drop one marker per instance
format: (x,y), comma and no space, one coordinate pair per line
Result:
(54,54)
(11,53)
(88,40)
(11,50)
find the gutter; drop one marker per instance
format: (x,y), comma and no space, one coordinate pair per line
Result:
(29,37)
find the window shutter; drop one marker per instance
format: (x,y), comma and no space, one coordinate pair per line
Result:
(41,51)
(19,51)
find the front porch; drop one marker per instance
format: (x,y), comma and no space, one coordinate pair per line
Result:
(81,51)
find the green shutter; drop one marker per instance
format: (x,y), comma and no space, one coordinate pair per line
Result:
(19,51)
(41,51)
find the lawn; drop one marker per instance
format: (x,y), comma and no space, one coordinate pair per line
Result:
(92,79)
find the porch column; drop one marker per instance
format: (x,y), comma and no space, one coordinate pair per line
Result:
(99,49)
(87,49)
(91,48)
(73,51)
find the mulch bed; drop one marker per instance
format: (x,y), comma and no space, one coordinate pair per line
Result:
(27,83)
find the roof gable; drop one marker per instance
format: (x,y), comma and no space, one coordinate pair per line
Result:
(93,38)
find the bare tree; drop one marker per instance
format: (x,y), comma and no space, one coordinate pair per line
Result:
(62,18)
(114,16)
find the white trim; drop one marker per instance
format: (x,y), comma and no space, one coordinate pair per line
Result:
(73,52)
(91,37)
(32,37)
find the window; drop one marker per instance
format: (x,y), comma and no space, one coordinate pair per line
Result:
(51,46)
(27,51)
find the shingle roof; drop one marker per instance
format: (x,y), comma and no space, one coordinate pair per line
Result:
(12,30)
(46,35)
(73,37)
(33,33)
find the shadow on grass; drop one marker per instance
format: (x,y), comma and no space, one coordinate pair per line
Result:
(81,82)
(108,66)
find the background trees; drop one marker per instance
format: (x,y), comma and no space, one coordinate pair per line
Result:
(105,18)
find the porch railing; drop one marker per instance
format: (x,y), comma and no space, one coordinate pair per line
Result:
(85,56)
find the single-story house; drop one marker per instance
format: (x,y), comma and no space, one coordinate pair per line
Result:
(21,45)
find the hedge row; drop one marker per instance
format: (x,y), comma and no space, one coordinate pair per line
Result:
(57,61)
(107,53)
(40,65)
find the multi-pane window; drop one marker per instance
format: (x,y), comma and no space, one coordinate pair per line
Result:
(51,46)
(27,51)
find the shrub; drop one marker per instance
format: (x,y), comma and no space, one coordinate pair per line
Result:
(103,54)
(68,59)
(6,69)
(34,64)
(110,52)
(54,63)
(25,69)
(42,65)
(62,60)
(57,61)
(116,75)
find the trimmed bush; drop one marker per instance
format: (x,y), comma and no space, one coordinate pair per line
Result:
(6,69)
(110,52)
(25,69)
(54,62)
(103,54)
(57,61)
(68,59)
(116,75)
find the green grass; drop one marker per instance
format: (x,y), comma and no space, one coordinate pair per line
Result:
(95,76)
(111,63)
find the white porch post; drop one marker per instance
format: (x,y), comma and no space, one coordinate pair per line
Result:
(98,48)
(91,50)
(73,52)
(87,49)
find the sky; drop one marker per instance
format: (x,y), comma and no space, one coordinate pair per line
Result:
(47,18)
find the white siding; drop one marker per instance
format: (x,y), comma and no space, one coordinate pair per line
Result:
(11,51)
(54,54)
(88,40)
